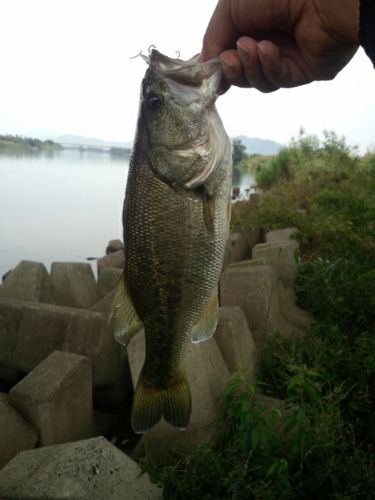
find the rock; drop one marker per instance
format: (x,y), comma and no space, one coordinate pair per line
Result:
(236,249)
(28,281)
(114,246)
(104,306)
(281,235)
(235,340)
(30,331)
(15,433)
(115,259)
(108,279)
(282,257)
(252,286)
(74,285)
(207,375)
(56,398)
(90,469)
(118,395)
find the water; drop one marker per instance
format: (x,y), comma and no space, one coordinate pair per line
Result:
(64,206)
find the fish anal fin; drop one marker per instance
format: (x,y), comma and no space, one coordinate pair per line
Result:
(206,324)
(124,318)
(150,404)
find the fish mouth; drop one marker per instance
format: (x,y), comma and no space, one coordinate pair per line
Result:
(191,72)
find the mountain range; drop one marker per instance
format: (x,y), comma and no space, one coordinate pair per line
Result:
(254,145)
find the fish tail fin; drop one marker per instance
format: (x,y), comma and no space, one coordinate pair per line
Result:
(150,404)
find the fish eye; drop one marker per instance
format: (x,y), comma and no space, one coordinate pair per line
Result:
(154,102)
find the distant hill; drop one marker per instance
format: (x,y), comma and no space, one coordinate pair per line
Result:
(259,146)
(91,141)
(253,145)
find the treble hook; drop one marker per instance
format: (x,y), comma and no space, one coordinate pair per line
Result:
(145,58)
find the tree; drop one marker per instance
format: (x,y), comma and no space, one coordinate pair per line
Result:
(238,151)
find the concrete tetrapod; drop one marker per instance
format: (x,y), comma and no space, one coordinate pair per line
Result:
(91,469)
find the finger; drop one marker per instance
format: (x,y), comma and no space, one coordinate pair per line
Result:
(247,49)
(283,68)
(221,32)
(231,65)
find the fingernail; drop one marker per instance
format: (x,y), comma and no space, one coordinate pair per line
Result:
(262,51)
(241,47)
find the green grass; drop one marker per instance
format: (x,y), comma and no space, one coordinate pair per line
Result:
(322,444)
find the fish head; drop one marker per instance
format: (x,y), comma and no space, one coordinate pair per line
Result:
(177,100)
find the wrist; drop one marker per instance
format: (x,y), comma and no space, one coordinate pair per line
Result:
(340,18)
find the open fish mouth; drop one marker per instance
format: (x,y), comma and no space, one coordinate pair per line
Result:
(190,72)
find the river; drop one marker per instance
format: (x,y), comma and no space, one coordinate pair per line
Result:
(62,206)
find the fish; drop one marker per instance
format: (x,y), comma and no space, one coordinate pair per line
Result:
(176,220)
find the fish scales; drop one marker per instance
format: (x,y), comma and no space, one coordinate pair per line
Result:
(174,232)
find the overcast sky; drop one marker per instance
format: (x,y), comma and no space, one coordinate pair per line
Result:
(66,68)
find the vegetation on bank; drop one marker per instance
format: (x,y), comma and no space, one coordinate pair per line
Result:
(323,444)
(16,143)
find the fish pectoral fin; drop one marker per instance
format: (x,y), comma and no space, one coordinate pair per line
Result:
(124,318)
(150,404)
(206,324)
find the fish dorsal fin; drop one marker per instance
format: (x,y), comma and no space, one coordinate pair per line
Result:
(206,324)
(124,318)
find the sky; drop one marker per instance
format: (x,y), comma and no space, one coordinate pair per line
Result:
(66,67)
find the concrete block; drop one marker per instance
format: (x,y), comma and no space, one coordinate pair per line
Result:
(56,398)
(6,275)
(282,257)
(30,331)
(207,375)
(91,469)
(108,279)
(74,285)
(235,340)
(114,246)
(15,433)
(104,306)
(28,281)
(236,249)
(118,395)
(252,285)
(281,235)
(253,236)
(301,320)
(115,259)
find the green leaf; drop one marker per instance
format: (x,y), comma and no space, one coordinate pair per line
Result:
(254,437)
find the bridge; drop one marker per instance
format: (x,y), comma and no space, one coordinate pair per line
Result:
(96,148)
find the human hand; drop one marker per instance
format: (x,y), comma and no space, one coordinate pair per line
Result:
(268,44)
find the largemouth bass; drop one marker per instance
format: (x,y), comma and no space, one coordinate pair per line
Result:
(176,219)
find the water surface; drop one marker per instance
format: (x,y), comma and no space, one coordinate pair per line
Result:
(64,206)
